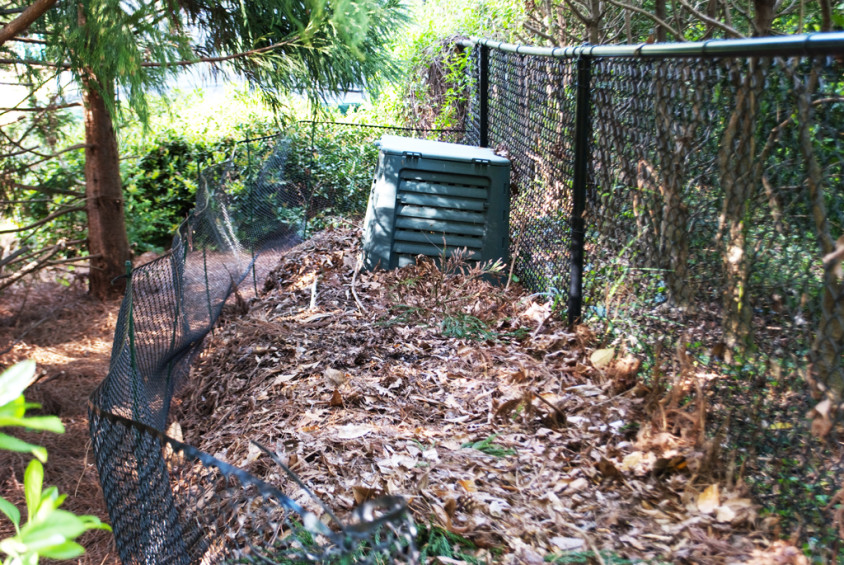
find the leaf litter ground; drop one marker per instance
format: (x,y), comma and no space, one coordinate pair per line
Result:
(498,424)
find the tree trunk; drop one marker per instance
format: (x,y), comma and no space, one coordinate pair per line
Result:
(660,13)
(764,17)
(107,240)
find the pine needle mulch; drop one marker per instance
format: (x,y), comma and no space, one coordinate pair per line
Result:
(69,335)
(498,424)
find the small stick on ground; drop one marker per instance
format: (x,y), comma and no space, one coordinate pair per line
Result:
(588,539)
(559,412)
(313,294)
(358,266)
(512,264)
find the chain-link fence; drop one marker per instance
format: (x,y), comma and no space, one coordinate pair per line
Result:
(170,503)
(681,201)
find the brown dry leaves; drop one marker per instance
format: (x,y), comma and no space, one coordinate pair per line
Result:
(516,443)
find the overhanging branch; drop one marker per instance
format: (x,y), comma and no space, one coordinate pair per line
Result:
(223,58)
(23,21)
(43,108)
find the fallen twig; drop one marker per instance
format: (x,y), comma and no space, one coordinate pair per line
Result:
(313,294)
(358,266)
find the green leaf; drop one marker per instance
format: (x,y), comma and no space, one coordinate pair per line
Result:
(14,409)
(12,546)
(50,500)
(57,528)
(33,479)
(66,550)
(15,379)
(45,423)
(11,511)
(94,523)
(10,443)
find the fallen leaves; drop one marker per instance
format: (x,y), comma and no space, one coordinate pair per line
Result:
(709,499)
(514,436)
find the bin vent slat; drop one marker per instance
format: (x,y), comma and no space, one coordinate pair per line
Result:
(441,201)
(445,189)
(440,239)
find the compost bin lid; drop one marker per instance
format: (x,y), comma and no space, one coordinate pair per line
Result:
(397,145)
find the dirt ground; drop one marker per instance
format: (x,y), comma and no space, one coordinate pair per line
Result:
(69,336)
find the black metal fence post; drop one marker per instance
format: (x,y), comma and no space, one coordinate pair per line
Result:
(582,155)
(483,95)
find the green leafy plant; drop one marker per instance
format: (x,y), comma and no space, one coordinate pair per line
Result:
(434,541)
(48,531)
(13,409)
(488,446)
(587,557)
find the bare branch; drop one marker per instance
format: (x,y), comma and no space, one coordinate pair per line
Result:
(48,190)
(74,259)
(656,20)
(534,30)
(23,21)
(711,21)
(31,267)
(36,200)
(22,251)
(45,157)
(46,219)
(29,40)
(583,19)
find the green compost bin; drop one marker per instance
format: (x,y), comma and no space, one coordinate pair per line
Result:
(433,198)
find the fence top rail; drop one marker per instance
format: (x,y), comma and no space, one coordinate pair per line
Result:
(828,43)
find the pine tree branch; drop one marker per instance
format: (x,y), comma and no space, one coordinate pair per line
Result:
(34,63)
(33,89)
(222,58)
(150,64)
(25,19)
(29,40)
(44,108)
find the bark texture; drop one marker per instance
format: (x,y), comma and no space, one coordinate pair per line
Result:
(107,240)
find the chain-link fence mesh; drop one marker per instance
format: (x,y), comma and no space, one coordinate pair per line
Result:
(170,503)
(714,209)
(714,190)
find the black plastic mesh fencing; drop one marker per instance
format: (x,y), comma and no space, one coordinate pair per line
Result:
(169,503)
(713,190)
